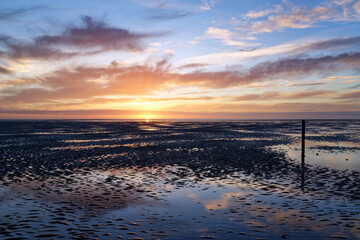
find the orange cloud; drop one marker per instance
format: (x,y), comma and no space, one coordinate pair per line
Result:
(88,84)
(283,95)
(350,95)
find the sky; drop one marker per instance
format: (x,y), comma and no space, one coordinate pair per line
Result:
(179,59)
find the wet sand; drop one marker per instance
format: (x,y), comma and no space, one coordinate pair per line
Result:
(178,180)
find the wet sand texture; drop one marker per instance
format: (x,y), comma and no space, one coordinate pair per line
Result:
(178,180)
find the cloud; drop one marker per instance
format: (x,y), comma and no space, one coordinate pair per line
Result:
(282,68)
(4,70)
(168,15)
(148,99)
(304,66)
(342,2)
(263,107)
(283,95)
(192,65)
(346,8)
(92,37)
(264,13)
(280,17)
(353,87)
(306,84)
(336,78)
(330,44)
(9,15)
(114,79)
(88,82)
(16,49)
(208,4)
(357,7)
(224,35)
(224,58)
(295,18)
(96,34)
(237,56)
(350,95)
(162,4)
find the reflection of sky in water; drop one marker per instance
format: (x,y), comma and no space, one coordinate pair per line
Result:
(226,209)
(338,159)
(212,210)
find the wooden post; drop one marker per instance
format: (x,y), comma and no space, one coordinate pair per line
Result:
(302,154)
(303,143)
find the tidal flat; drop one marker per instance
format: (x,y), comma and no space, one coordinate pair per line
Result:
(93,179)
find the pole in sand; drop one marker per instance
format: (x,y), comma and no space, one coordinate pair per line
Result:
(302,154)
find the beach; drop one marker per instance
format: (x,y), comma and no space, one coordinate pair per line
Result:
(108,179)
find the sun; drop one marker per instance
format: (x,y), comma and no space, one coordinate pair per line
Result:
(147,118)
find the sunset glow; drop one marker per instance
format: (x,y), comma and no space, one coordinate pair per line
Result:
(177,59)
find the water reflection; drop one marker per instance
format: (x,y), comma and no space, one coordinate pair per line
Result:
(156,198)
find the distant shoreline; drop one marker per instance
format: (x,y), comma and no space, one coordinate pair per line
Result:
(173,120)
